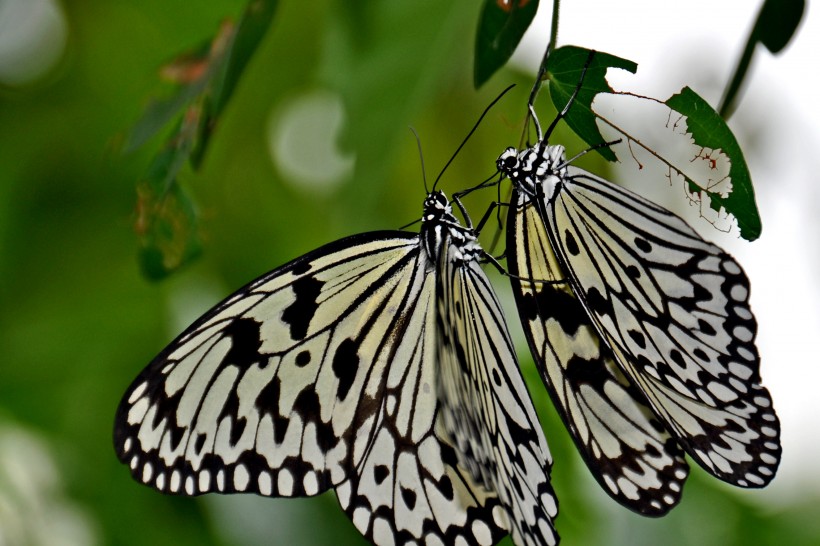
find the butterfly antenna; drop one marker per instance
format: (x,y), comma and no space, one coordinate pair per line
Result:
(572,98)
(421,157)
(473,130)
(539,79)
(405,226)
(542,70)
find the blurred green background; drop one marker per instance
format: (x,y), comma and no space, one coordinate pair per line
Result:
(313,146)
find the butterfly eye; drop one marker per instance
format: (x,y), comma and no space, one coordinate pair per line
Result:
(508,160)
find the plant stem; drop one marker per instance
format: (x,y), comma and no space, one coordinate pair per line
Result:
(556,7)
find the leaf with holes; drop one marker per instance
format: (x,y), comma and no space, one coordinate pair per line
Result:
(709,130)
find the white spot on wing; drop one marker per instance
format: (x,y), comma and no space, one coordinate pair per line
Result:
(739,292)
(310,484)
(220,480)
(284,482)
(264,483)
(240,477)
(137,392)
(204,480)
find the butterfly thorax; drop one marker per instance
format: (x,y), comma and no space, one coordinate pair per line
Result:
(438,224)
(536,171)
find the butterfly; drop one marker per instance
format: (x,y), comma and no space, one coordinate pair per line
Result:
(641,329)
(380,366)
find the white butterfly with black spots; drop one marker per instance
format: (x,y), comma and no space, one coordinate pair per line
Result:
(380,366)
(645,339)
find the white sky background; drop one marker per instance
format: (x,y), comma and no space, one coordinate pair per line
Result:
(697,43)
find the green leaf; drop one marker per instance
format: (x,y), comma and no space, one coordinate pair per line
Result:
(170,235)
(500,28)
(565,67)
(167,220)
(777,23)
(167,228)
(249,33)
(710,131)
(159,114)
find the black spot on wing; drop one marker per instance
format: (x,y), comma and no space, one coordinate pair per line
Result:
(706,328)
(496,377)
(303,359)
(166,408)
(516,483)
(237,429)
(409,497)
(571,243)
(345,366)
(230,410)
(308,406)
(176,433)
(445,486)
(380,473)
(590,372)
(461,356)
(267,402)
(551,303)
(299,313)
(199,443)
(597,303)
(245,343)
(643,245)
(638,338)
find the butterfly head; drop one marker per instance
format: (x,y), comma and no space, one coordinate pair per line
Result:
(439,223)
(436,206)
(541,164)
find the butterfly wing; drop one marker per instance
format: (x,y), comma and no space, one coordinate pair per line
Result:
(675,311)
(486,408)
(627,449)
(409,486)
(272,391)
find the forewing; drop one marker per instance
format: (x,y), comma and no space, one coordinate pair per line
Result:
(276,390)
(627,449)
(485,406)
(675,311)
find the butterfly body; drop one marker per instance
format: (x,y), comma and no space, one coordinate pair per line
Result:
(349,369)
(644,335)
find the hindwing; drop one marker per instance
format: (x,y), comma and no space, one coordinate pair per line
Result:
(626,447)
(486,408)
